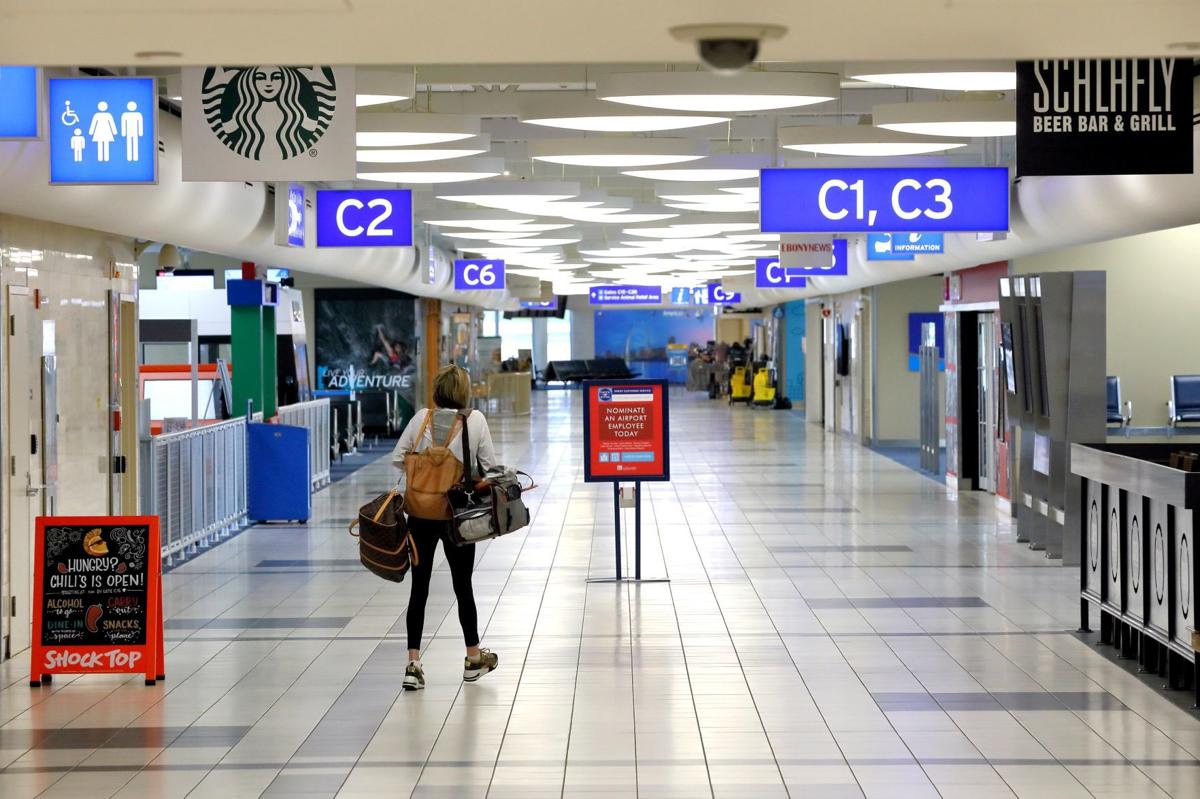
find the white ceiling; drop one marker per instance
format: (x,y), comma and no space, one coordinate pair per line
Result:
(72,32)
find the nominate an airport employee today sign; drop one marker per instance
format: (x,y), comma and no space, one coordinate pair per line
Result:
(625,431)
(1106,116)
(880,199)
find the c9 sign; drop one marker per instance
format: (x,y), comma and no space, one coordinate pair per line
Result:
(364,218)
(478,275)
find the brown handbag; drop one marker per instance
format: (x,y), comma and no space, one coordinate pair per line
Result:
(385,545)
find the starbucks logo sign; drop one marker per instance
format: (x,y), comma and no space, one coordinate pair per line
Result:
(269,113)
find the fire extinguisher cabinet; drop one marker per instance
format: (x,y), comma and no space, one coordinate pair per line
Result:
(278,483)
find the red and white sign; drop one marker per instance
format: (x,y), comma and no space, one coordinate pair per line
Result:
(97,597)
(805,251)
(625,431)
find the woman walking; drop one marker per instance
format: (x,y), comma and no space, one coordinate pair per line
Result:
(443,424)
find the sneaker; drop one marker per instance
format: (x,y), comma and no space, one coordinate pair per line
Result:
(414,676)
(474,668)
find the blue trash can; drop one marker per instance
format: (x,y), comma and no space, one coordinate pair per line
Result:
(278,482)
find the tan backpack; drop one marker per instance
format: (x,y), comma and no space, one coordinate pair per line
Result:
(430,473)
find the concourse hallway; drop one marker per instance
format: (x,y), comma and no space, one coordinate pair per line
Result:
(835,625)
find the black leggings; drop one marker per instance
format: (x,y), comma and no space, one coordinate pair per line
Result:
(462,563)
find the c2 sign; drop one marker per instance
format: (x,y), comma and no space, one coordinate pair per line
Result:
(478,275)
(884,199)
(768,274)
(364,218)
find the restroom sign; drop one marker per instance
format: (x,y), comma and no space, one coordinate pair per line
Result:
(103,130)
(97,597)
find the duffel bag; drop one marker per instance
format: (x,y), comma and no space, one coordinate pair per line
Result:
(491,510)
(385,545)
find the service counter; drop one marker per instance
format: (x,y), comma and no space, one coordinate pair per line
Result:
(1138,554)
(511,391)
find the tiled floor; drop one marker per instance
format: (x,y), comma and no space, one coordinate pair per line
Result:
(835,625)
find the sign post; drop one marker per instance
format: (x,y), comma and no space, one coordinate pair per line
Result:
(97,597)
(626,438)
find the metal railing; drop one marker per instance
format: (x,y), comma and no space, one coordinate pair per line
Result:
(315,417)
(198,485)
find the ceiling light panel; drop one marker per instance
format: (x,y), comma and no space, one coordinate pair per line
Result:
(963,118)
(612,151)
(380,86)
(476,145)
(411,129)
(862,140)
(965,76)
(458,172)
(601,117)
(708,92)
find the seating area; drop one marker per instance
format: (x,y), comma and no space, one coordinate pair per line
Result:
(575,371)
(1117,413)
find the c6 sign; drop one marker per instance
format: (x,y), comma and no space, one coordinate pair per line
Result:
(625,431)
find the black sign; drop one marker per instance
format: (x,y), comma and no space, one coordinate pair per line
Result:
(95,585)
(1120,116)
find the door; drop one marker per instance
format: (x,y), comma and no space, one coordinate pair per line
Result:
(22,477)
(988,396)
(126,419)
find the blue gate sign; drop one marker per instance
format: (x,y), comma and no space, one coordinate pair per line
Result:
(18,103)
(478,275)
(768,274)
(364,218)
(625,295)
(717,295)
(863,200)
(103,130)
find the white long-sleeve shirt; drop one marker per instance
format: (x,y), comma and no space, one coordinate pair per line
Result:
(481,450)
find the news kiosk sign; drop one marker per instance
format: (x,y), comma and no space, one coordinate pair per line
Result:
(97,597)
(625,431)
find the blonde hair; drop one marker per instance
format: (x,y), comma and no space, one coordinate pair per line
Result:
(452,387)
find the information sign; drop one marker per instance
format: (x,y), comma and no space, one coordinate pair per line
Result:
(863,200)
(625,295)
(97,604)
(625,431)
(478,275)
(768,274)
(103,130)
(364,218)
(19,103)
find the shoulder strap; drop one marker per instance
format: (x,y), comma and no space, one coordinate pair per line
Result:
(466,450)
(424,426)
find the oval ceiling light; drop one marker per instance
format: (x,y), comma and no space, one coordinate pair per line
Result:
(717,169)
(500,193)
(410,129)
(590,115)
(709,92)
(464,170)
(379,86)
(966,76)
(862,140)
(491,235)
(476,145)
(970,118)
(615,151)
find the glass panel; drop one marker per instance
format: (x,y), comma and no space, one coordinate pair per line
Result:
(515,334)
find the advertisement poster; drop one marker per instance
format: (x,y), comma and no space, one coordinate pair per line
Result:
(489,358)
(625,428)
(1104,116)
(642,337)
(365,342)
(97,596)
(460,339)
